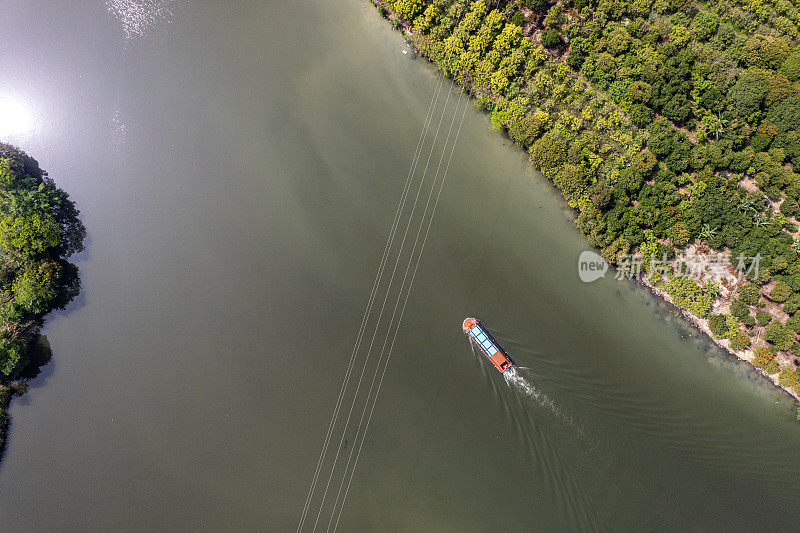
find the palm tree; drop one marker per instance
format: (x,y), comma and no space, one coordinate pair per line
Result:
(707,233)
(763,220)
(712,289)
(720,125)
(748,205)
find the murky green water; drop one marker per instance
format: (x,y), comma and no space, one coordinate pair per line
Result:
(238,167)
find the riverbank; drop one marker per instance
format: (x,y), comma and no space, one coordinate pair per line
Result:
(702,325)
(7,392)
(39,229)
(643,185)
(5,401)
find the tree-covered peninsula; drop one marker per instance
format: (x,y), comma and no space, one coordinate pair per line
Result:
(39,230)
(670,126)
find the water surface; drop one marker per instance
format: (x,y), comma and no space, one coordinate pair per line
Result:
(238,167)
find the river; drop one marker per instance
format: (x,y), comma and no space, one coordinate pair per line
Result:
(237,167)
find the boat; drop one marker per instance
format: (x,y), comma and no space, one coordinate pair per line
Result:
(491,349)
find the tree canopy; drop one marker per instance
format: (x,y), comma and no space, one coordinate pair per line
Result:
(664,125)
(39,229)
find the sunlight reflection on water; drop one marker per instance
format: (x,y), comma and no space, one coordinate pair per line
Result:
(143,19)
(16,117)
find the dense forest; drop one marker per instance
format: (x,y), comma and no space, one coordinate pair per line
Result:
(39,229)
(670,126)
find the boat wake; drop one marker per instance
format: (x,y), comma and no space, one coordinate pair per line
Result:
(519,379)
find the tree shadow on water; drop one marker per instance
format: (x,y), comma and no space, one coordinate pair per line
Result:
(39,356)
(34,374)
(34,280)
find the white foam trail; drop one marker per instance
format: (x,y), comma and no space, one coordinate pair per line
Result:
(516,380)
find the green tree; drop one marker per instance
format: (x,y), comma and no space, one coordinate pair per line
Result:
(763,318)
(789,378)
(639,91)
(572,181)
(600,194)
(749,294)
(792,304)
(546,153)
(765,359)
(36,286)
(408,9)
(524,131)
(550,38)
(765,51)
(748,94)
(641,115)
(781,292)
(12,357)
(39,228)
(794,323)
(739,341)
(619,41)
(791,67)
(703,26)
(679,234)
(28,236)
(718,326)
(779,335)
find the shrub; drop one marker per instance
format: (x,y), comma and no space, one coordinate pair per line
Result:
(739,309)
(765,51)
(703,26)
(641,115)
(781,292)
(789,378)
(779,335)
(718,326)
(546,153)
(748,294)
(794,323)
(748,93)
(791,67)
(408,9)
(12,356)
(792,304)
(739,341)
(639,91)
(763,318)
(765,359)
(679,234)
(550,38)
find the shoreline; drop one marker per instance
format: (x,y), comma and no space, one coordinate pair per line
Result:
(701,324)
(6,392)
